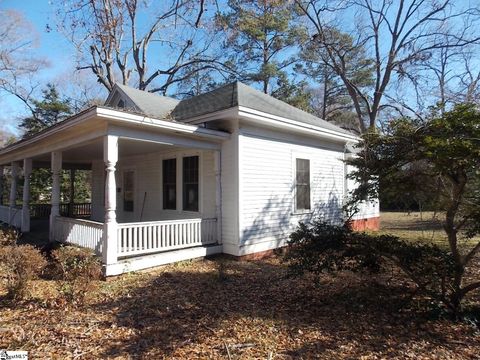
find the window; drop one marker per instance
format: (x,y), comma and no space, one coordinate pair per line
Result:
(190,183)
(128,190)
(121,104)
(302,184)
(170,184)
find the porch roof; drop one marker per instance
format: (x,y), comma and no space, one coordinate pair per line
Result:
(98,121)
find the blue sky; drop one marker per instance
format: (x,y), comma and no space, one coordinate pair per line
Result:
(52,46)
(60,54)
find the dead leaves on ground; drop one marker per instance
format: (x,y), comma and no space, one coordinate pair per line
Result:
(248,311)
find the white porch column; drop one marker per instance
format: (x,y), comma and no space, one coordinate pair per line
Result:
(110,156)
(13,193)
(56,164)
(217,161)
(27,170)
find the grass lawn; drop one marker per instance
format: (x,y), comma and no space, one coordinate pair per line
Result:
(225,309)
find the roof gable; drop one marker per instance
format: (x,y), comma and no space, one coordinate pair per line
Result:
(141,101)
(225,97)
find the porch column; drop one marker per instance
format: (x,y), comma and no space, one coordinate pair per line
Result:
(27,170)
(13,193)
(218,192)
(71,205)
(1,184)
(110,157)
(56,161)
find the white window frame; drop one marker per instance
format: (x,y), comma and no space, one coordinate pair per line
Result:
(179,155)
(304,156)
(123,170)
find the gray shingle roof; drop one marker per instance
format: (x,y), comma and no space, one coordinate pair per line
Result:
(225,97)
(148,103)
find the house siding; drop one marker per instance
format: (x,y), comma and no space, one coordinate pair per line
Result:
(98,191)
(230,198)
(267,158)
(366,209)
(148,187)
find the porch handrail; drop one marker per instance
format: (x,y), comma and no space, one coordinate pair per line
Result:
(81,232)
(155,236)
(66,209)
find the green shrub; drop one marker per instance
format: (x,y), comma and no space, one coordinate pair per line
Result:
(322,247)
(19,265)
(78,269)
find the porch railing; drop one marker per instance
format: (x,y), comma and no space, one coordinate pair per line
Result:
(138,238)
(84,233)
(13,218)
(38,211)
(150,237)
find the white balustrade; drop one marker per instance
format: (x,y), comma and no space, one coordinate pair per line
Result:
(11,216)
(149,237)
(84,233)
(4,214)
(138,238)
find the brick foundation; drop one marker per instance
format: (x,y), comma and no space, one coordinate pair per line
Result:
(366,224)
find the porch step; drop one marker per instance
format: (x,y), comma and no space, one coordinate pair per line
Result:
(136,263)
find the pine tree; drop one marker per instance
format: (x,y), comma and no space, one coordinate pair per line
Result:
(46,112)
(260,34)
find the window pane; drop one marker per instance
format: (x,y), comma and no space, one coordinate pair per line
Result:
(128,190)
(170,184)
(302,184)
(190,183)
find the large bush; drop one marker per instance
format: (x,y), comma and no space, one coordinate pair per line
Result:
(78,268)
(435,162)
(322,247)
(19,265)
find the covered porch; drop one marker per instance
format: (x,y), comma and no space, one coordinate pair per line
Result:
(155,194)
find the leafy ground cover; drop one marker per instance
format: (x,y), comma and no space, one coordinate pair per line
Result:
(224,309)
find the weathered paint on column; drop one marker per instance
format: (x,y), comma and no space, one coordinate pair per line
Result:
(27,170)
(110,157)
(56,164)
(13,193)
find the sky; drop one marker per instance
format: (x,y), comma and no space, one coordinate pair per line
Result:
(60,54)
(52,46)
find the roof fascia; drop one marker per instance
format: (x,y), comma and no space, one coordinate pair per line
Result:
(125,117)
(267,118)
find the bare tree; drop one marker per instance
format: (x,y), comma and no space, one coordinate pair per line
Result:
(117,36)
(398,34)
(18,39)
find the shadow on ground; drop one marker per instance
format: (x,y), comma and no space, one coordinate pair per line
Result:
(251,308)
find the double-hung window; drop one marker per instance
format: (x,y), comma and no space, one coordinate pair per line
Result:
(128,190)
(169,184)
(190,183)
(302,185)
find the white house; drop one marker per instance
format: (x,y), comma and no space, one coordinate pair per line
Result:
(230,171)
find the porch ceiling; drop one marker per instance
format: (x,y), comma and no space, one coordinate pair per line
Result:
(93,150)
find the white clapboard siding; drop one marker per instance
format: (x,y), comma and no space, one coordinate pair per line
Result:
(84,233)
(150,237)
(366,209)
(148,204)
(267,187)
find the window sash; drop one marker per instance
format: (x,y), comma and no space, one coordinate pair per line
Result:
(169,170)
(128,190)
(190,183)
(302,184)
